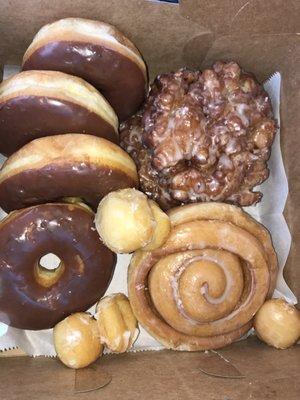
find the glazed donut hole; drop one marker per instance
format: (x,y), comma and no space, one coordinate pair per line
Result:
(80,338)
(124,221)
(118,327)
(76,340)
(162,227)
(127,221)
(277,323)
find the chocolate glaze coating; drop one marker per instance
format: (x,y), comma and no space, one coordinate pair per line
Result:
(119,79)
(25,118)
(67,231)
(202,137)
(53,182)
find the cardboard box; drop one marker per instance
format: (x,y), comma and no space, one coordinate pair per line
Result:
(262,37)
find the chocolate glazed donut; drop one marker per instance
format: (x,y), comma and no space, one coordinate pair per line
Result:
(71,165)
(96,52)
(33,297)
(35,104)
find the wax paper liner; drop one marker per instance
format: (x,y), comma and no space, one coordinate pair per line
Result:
(269,212)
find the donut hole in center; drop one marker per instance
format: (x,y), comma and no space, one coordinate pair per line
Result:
(50,262)
(48,269)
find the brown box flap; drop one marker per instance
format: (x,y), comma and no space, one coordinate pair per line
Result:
(158,30)
(269,374)
(235,16)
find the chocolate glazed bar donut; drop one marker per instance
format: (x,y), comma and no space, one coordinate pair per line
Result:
(202,136)
(42,103)
(33,297)
(96,52)
(70,165)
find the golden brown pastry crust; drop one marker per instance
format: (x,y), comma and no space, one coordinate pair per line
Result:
(70,165)
(69,29)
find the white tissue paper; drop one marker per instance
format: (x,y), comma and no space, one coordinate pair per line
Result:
(269,212)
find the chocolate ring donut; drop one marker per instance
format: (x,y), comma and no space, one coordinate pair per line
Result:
(70,165)
(98,53)
(33,297)
(43,103)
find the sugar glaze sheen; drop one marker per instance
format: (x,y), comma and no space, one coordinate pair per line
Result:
(33,297)
(202,136)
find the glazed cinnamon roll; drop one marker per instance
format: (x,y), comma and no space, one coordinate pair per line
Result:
(201,289)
